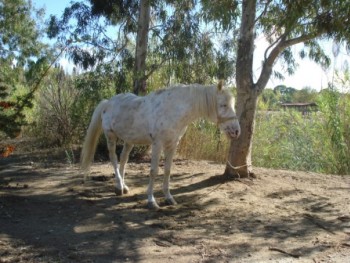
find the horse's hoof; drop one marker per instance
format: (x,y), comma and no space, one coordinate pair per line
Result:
(170,201)
(153,206)
(125,189)
(118,192)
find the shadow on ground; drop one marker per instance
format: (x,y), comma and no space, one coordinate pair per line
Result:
(47,214)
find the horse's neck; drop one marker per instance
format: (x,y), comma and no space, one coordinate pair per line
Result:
(203,103)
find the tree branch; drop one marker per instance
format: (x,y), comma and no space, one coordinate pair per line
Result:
(264,11)
(275,52)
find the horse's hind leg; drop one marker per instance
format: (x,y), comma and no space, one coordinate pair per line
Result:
(124,157)
(111,143)
(156,149)
(169,154)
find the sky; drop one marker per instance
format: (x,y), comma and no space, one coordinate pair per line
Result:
(308,73)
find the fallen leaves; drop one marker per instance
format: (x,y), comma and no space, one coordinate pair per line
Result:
(6,151)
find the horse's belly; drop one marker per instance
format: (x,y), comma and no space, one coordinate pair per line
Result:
(138,134)
(134,138)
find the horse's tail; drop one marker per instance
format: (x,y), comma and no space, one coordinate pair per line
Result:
(91,138)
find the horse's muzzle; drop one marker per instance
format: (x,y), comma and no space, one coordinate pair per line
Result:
(232,131)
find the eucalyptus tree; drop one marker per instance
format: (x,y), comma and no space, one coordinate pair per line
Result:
(113,34)
(23,57)
(284,23)
(136,16)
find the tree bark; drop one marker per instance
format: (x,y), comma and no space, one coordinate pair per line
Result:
(239,158)
(141,47)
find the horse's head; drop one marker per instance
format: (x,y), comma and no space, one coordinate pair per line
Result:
(226,116)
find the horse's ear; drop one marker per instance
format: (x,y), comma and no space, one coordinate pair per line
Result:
(220,84)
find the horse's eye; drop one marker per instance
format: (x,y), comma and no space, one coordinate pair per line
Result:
(223,105)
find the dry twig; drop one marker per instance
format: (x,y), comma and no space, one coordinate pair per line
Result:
(284,252)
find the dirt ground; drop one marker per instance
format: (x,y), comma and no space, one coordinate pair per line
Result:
(48,215)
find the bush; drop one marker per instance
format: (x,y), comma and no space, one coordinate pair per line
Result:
(64,106)
(54,103)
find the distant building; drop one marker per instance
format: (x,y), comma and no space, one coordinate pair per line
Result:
(304,107)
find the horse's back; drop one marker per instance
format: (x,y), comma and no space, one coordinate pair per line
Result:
(124,98)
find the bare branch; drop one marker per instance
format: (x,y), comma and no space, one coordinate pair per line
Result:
(283,36)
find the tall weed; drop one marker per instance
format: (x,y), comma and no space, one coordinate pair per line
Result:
(336,123)
(289,140)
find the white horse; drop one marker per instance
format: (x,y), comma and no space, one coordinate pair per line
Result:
(158,119)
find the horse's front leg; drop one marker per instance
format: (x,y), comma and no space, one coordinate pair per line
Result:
(124,157)
(152,203)
(169,154)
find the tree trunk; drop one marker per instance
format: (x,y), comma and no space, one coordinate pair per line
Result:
(141,47)
(239,159)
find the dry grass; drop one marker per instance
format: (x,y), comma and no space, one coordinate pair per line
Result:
(204,141)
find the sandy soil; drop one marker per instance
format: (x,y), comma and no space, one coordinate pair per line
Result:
(48,215)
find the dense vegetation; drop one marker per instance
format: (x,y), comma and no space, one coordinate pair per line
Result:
(318,141)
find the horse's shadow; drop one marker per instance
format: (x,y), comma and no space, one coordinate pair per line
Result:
(206,183)
(181,193)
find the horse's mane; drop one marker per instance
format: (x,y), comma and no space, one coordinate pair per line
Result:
(204,97)
(205,100)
